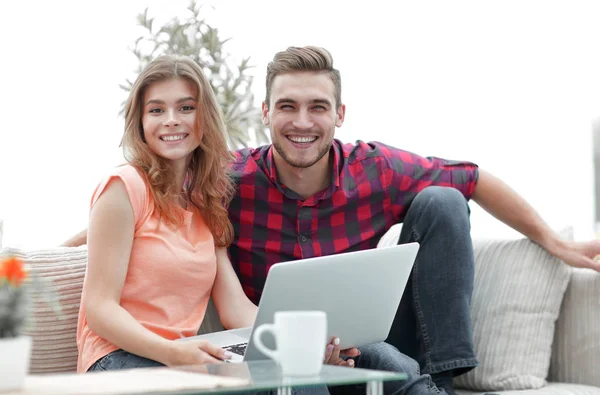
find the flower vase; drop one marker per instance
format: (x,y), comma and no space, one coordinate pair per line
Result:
(14,362)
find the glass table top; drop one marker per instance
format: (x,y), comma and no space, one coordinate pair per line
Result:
(266,375)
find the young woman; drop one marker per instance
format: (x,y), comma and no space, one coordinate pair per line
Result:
(158,229)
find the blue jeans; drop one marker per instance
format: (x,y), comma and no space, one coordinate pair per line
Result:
(383,356)
(433,322)
(120,359)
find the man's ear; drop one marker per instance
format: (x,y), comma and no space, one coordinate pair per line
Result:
(265,113)
(340,114)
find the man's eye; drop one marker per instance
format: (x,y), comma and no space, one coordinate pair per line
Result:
(286,106)
(321,108)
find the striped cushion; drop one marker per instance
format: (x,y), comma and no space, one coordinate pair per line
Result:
(518,291)
(62,269)
(577,340)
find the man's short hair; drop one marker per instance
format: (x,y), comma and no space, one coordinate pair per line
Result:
(308,58)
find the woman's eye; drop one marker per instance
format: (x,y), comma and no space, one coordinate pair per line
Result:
(155,110)
(188,108)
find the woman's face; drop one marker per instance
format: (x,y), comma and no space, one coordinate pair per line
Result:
(169,119)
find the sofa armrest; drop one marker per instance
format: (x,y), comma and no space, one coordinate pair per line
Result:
(576,347)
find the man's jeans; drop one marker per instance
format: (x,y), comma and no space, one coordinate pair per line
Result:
(383,356)
(433,322)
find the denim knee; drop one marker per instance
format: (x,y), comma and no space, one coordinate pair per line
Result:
(444,204)
(447,199)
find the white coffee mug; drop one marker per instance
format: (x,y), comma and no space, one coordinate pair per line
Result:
(300,338)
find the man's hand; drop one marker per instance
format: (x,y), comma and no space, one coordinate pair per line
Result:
(77,240)
(333,354)
(579,254)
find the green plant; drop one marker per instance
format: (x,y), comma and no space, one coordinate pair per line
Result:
(17,292)
(14,302)
(232,85)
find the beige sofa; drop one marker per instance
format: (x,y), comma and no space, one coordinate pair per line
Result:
(536,321)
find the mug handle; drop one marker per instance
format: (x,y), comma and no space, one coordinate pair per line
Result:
(273,354)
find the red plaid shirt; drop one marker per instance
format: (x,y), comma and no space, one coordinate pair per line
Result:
(372,186)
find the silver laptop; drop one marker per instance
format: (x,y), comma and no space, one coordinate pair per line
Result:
(360,292)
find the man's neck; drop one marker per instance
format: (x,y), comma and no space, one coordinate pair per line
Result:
(304,181)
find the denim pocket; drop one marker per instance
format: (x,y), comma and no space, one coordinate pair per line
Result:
(112,361)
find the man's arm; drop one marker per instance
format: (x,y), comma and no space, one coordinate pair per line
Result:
(78,240)
(497,198)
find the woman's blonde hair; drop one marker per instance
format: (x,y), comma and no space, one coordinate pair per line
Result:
(209,186)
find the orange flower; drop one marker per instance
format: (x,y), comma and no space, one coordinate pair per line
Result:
(12,269)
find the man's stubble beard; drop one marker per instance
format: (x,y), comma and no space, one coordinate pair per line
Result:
(284,156)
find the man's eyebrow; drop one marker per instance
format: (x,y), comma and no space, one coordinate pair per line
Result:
(284,101)
(183,99)
(322,101)
(291,101)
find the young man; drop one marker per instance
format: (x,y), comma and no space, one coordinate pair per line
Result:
(308,194)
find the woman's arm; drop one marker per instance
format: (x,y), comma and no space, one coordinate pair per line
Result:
(110,238)
(234,308)
(111,231)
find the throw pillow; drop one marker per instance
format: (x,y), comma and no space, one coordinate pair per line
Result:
(518,291)
(577,339)
(54,348)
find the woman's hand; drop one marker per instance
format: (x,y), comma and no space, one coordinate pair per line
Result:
(195,352)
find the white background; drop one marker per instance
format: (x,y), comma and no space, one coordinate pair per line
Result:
(511,85)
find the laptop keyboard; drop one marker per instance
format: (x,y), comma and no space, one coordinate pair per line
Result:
(239,349)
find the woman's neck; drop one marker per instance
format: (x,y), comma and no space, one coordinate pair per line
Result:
(180,173)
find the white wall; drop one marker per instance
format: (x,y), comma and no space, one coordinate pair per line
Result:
(510,85)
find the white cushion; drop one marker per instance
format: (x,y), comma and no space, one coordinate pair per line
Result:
(576,349)
(518,291)
(62,269)
(1,232)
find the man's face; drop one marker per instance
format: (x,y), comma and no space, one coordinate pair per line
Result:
(302,116)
